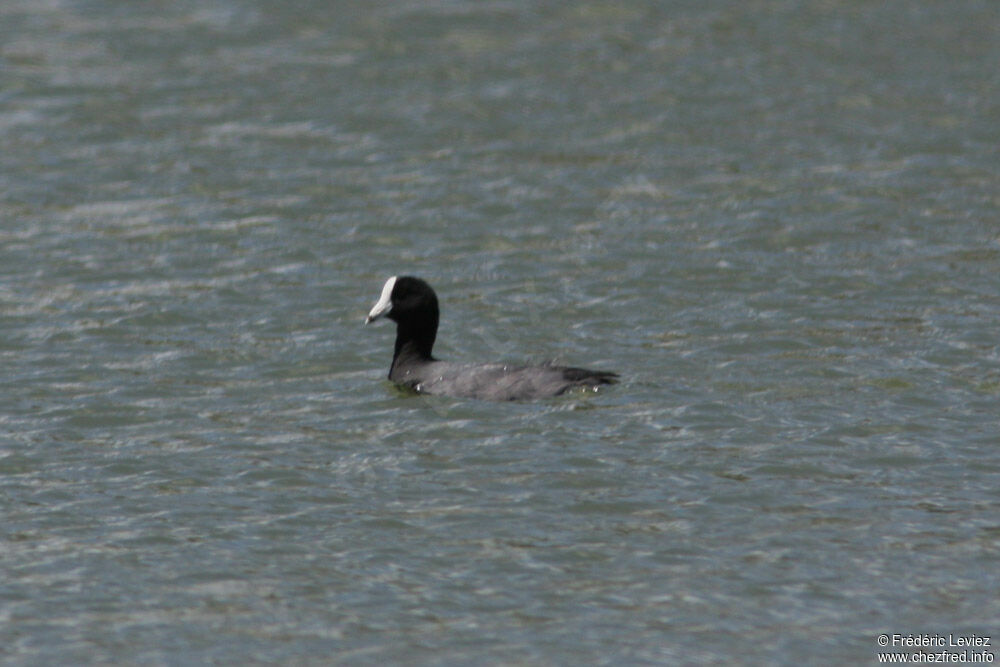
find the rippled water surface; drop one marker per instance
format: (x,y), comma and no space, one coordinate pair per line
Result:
(777,220)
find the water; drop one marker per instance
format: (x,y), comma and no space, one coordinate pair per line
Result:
(777,220)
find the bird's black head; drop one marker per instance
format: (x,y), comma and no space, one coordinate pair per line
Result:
(413,306)
(405,298)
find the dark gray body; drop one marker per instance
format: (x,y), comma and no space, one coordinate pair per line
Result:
(496,382)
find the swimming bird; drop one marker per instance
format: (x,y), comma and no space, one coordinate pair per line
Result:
(413,306)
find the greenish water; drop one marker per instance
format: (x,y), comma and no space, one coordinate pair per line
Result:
(778,221)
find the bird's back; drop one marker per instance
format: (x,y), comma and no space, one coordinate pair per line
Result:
(498,381)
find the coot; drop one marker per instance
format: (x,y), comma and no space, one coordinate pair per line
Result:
(413,306)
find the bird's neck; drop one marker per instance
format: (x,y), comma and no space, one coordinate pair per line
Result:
(414,342)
